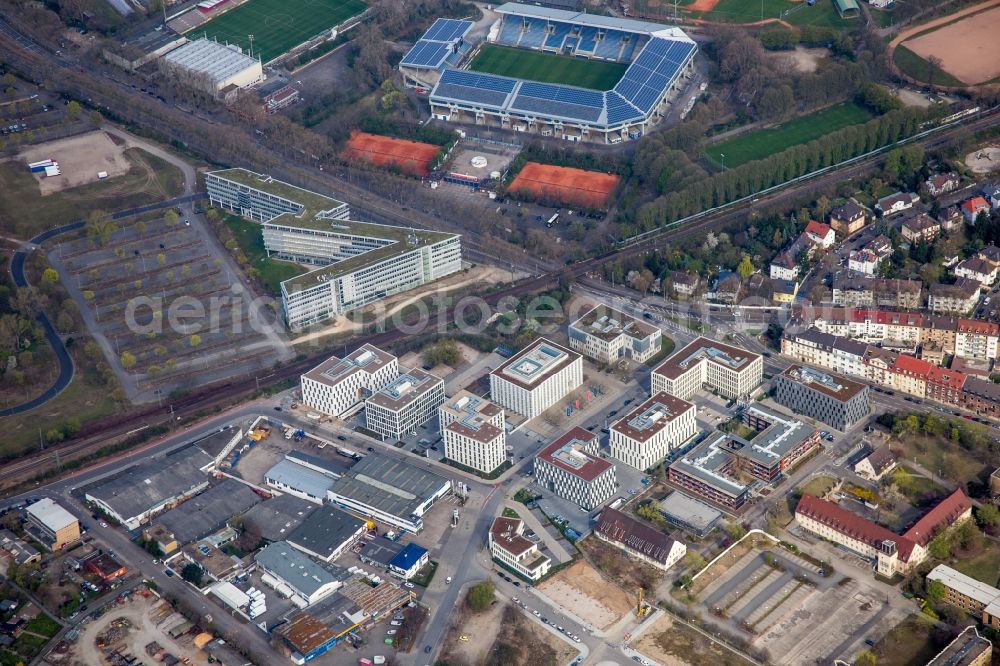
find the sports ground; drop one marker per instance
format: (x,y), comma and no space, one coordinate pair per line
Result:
(278,26)
(547,67)
(573,187)
(411,157)
(762,143)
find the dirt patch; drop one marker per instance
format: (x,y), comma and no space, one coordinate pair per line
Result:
(80,159)
(583,590)
(624,570)
(984,160)
(480,631)
(522,642)
(411,157)
(967,48)
(802,59)
(913,98)
(672,643)
(570,186)
(702,5)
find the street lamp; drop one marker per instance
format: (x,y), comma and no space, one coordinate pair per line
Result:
(723,161)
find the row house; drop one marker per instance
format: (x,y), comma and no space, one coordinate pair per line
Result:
(861,291)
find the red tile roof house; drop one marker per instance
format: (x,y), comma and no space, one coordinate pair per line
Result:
(821,233)
(891,553)
(973,207)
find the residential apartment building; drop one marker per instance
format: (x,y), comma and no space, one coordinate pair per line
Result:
(821,235)
(836,401)
(685,283)
(644,437)
(977,269)
(876,464)
(921,228)
(606,335)
(847,219)
(896,203)
(711,472)
(536,378)
(942,183)
(338,386)
(473,429)
(892,553)
(841,355)
(638,539)
(864,261)
(571,468)
(861,291)
(52,525)
(784,266)
(731,372)
(971,208)
(510,547)
(403,404)
(954,299)
(356,263)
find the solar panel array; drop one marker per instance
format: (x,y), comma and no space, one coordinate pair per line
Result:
(431,50)
(556,100)
(475,88)
(651,72)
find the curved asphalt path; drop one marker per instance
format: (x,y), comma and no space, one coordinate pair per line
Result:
(66,367)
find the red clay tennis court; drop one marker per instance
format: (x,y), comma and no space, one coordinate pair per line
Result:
(411,157)
(576,187)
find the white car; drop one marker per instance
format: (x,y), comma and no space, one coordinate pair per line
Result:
(535,613)
(408,585)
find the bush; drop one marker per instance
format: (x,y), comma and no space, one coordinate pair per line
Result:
(192,573)
(480,596)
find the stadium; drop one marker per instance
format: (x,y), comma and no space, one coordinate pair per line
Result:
(559,73)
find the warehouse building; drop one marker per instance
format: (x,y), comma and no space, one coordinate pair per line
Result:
(339,386)
(217,69)
(571,468)
(53,526)
(473,432)
(327,533)
(729,371)
(206,513)
(689,514)
(289,476)
(511,548)
(308,580)
(607,335)
(391,491)
(644,437)
(638,539)
(404,404)
(357,263)
(151,486)
(710,471)
(836,401)
(536,378)
(276,518)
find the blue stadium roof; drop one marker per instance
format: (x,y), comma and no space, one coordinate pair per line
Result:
(433,48)
(406,558)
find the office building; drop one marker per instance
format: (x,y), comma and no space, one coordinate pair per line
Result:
(731,372)
(964,592)
(473,432)
(607,335)
(536,378)
(509,547)
(404,404)
(357,263)
(836,401)
(644,437)
(52,525)
(710,472)
(571,468)
(339,386)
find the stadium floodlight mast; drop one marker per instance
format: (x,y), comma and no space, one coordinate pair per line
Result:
(723,161)
(251,44)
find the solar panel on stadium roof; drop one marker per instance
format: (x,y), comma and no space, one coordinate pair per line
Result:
(646,98)
(619,110)
(469,95)
(559,93)
(446,30)
(427,54)
(556,108)
(678,52)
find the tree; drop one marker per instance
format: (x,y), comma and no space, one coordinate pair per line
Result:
(128,359)
(745,269)
(480,596)
(444,352)
(866,658)
(73,110)
(939,547)
(171,218)
(987,516)
(64,322)
(194,340)
(96,118)
(50,276)
(192,573)
(935,590)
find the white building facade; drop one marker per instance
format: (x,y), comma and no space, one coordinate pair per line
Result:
(405,403)
(731,372)
(338,387)
(473,432)
(606,335)
(536,378)
(644,437)
(571,468)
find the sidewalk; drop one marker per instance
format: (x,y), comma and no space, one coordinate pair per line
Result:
(535,525)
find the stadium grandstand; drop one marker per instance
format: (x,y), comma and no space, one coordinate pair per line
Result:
(443,45)
(655,57)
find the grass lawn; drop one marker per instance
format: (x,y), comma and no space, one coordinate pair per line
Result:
(43,625)
(919,490)
(984,567)
(278,26)
(547,67)
(762,143)
(883,19)
(24,212)
(666,349)
(914,66)
(819,486)
(822,13)
(909,642)
(272,273)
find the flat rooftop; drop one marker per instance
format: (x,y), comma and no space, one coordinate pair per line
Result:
(652,416)
(703,349)
(209,511)
(966,649)
(472,415)
(277,517)
(836,386)
(684,509)
(774,442)
(316,213)
(406,389)
(209,58)
(50,514)
(325,530)
(709,463)
(300,477)
(392,486)
(535,363)
(581,18)
(607,323)
(568,454)
(366,358)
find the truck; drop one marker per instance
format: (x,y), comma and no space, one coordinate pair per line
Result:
(552,220)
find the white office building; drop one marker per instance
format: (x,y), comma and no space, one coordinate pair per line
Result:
(339,386)
(606,335)
(405,403)
(571,468)
(357,263)
(729,371)
(536,378)
(473,432)
(510,547)
(644,437)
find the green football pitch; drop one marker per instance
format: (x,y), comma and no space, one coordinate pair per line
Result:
(547,67)
(277,26)
(762,143)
